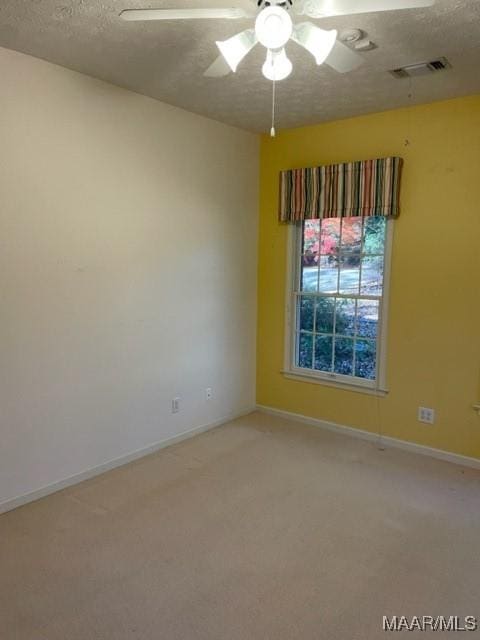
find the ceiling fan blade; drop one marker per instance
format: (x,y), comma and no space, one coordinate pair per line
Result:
(184,14)
(236,48)
(315,40)
(325,8)
(218,68)
(343,59)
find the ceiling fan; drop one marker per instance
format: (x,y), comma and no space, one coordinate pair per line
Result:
(274,28)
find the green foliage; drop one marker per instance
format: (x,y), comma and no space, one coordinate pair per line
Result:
(365,359)
(374,238)
(315,351)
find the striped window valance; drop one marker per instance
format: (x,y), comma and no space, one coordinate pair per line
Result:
(366,188)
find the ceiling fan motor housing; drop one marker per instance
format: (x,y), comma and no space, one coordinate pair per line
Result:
(284,4)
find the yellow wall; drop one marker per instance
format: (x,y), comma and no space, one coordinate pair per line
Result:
(434,324)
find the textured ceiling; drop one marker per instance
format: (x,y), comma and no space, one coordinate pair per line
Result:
(166,60)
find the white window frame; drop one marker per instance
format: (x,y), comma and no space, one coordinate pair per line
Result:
(377,386)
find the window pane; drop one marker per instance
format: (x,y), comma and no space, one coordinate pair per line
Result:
(374,235)
(324,317)
(306,311)
(345,316)
(343,356)
(372,276)
(323,353)
(365,359)
(309,273)
(330,236)
(311,236)
(367,318)
(351,234)
(305,350)
(349,273)
(328,281)
(310,254)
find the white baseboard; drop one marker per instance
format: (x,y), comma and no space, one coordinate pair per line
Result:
(447,456)
(13,503)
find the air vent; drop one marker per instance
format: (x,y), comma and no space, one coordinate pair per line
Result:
(421,69)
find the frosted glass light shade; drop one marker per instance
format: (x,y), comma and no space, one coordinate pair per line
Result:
(236,48)
(277,66)
(318,41)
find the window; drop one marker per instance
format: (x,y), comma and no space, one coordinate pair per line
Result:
(337,322)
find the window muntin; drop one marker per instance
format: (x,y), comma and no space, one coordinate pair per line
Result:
(339,298)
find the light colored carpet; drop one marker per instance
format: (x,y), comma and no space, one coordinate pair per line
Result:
(261,529)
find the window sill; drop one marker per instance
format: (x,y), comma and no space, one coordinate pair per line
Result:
(337,384)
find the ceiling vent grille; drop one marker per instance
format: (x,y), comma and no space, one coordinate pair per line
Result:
(421,68)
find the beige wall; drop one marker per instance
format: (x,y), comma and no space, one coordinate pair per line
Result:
(127,272)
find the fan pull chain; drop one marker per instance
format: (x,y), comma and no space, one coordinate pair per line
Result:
(272,130)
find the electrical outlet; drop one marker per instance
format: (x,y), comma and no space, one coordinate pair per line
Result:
(208,393)
(427,415)
(175,405)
